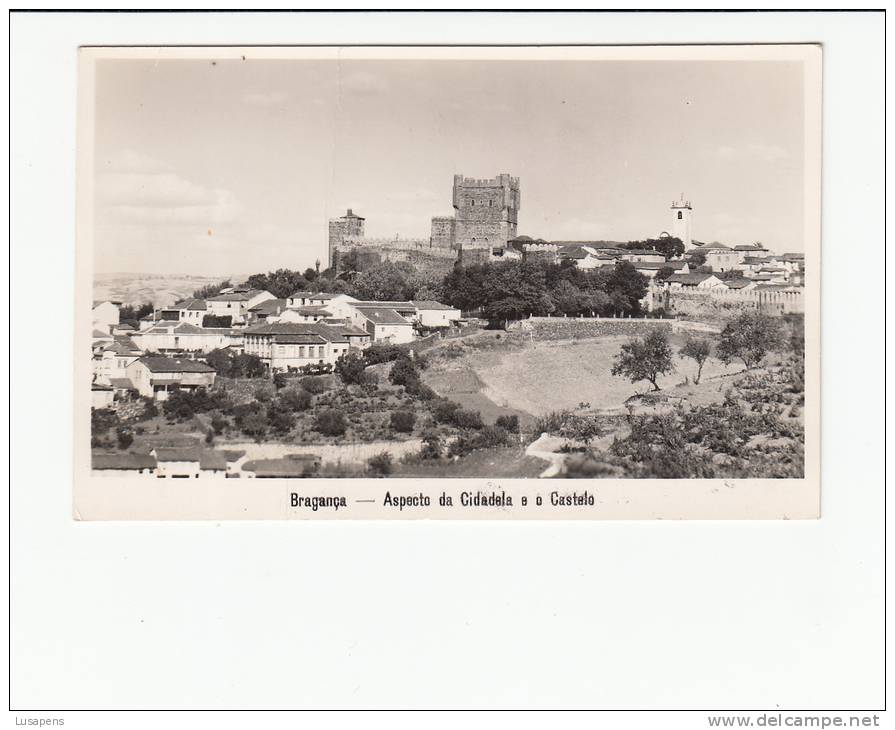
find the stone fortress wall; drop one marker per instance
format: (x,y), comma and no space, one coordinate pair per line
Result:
(485,216)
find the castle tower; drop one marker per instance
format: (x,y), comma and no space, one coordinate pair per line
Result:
(340,228)
(486,211)
(682,211)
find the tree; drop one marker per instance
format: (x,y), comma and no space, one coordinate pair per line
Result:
(280,417)
(295,399)
(125,437)
(211,290)
(131,313)
(510,424)
(695,258)
(381,464)
(350,367)
(626,287)
(645,359)
(217,320)
(282,283)
(255,424)
(749,338)
(664,273)
(385,281)
(669,246)
(698,350)
(403,421)
(331,422)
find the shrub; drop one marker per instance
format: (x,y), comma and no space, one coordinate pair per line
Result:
(184,404)
(219,423)
(295,399)
(432,446)
(488,437)
(101,420)
(254,424)
(443,410)
(508,423)
(280,417)
(125,437)
(403,421)
(209,436)
(331,422)
(385,352)
(381,464)
(403,372)
(468,419)
(313,385)
(280,380)
(350,367)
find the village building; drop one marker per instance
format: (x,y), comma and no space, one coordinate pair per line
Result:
(694,281)
(720,257)
(101,396)
(384,324)
(191,311)
(112,359)
(285,346)
(106,314)
(310,314)
(122,465)
(640,255)
(189,463)
(158,376)
(293,466)
(650,268)
(236,303)
(268,310)
(181,337)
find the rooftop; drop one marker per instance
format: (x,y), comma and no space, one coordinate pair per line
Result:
(122,461)
(383,315)
(161,364)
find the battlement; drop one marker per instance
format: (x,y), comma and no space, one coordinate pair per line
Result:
(502,180)
(394,243)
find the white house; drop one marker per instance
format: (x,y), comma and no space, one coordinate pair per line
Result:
(176,337)
(106,314)
(158,376)
(338,305)
(304,314)
(236,303)
(112,360)
(694,281)
(384,324)
(721,257)
(190,310)
(436,314)
(642,255)
(291,345)
(189,463)
(101,396)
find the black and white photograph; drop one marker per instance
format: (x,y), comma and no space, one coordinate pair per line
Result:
(411,264)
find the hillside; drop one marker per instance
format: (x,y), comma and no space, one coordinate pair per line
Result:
(160,289)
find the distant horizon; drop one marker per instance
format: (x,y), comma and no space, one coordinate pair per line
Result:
(239,165)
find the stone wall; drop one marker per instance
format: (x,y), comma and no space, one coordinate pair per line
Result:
(571,328)
(442,233)
(721,304)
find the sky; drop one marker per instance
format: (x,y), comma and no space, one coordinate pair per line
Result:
(235,166)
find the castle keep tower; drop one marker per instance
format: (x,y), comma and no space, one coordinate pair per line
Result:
(485,214)
(680,226)
(340,228)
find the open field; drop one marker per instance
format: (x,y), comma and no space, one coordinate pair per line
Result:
(160,289)
(535,378)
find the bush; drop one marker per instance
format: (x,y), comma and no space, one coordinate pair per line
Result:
(219,423)
(101,420)
(385,352)
(350,367)
(432,446)
(403,372)
(403,421)
(280,417)
(209,436)
(125,437)
(314,385)
(254,424)
(280,380)
(468,419)
(182,405)
(488,437)
(443,410)
(331,422)
(381,464)
(295,399)
(508,423)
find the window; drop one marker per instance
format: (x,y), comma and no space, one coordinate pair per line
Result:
(301,351)
(680,215)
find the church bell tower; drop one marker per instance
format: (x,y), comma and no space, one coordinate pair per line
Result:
(682,211)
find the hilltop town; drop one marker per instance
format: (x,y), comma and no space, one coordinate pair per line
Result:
(475,352)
